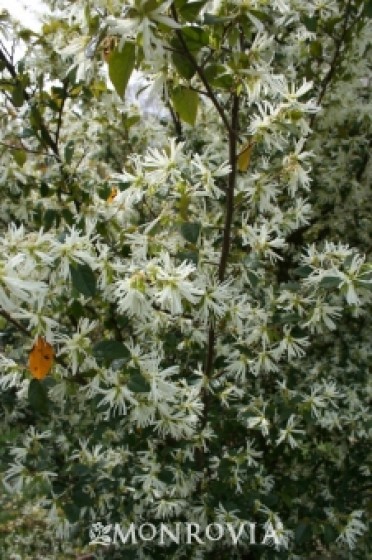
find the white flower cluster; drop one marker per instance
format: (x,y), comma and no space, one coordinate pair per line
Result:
(204,335)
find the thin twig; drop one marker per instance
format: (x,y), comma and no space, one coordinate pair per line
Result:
(201,74)
(45,134)
(210,357)
(233,136)
(16,323)
(176,121)
(222,48)
(200,91)
(60,112)
(4,48)
(24,148)
(334,63)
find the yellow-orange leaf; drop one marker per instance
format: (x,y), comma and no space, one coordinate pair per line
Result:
(244,157)
(40,359)
(108,45)
(112,194)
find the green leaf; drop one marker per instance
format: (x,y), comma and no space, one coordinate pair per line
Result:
(225,82)
(132,120)
(44,189)
(184,67)
(185,102)
(49,218)
(69,151)
(316,49)
(253,278)
(195,38)
(80,498)
(76,309)
(365,277)
(330,533)
(20,157)
(80,471)
(83,279)
(213,70)
(303,271)
(311,23)
(38,396)
(166,476)
(348,260)
(330,282)
(219,76)
(17,96)
(262,16)
(190,231)
(72,75)
(110,350)
(190,10)
(211,19)
(191,256)
(303,532)
(35,118)
(138,384)
(72,512)
(68,216)
(121,65)
(368,8)
(150,6)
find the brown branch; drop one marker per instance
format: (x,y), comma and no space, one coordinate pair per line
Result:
(24,148)
(201,74)
(335,59)
(16,323)
(200,91)
(226,243)
(233,136)
(60,112)
(210,355)
(4,48)
(45,134)
(176,121)
(11,69)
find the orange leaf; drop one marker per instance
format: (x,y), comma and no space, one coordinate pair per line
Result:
(41,358)
(112,194)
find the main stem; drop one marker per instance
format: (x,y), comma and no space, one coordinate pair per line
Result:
(226,242)
(233,137)
(225,251)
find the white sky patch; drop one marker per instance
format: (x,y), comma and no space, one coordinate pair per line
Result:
(28,13)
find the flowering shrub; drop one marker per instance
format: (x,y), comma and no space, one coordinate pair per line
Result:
(197,273)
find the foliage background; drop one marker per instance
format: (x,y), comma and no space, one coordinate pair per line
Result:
(65,134)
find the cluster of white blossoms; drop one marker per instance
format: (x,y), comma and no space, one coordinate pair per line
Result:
(191,327)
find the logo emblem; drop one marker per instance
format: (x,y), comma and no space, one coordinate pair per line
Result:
(98,534)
